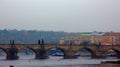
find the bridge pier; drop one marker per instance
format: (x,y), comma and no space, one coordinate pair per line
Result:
(97,54)
(69,54)
(12,54)
(12,51)
(118,55)
(41,54)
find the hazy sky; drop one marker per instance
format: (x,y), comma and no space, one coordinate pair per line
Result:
(60,15)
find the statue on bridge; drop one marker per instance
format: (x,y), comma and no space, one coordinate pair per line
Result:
(42,54)
(12,51)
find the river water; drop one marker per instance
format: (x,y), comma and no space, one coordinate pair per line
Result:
(29,61)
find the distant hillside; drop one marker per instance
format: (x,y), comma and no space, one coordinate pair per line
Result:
(32,36)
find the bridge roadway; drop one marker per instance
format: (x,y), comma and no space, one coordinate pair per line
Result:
(69,51)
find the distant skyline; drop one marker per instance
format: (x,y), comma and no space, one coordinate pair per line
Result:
(60,15)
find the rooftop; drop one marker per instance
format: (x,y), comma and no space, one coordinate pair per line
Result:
(112,34)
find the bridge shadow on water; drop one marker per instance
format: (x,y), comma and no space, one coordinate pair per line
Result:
(26,53)
(2,54)
(111,54)
(55,52)
(83,54)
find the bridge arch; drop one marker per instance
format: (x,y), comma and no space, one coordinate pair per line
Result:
(111,53)
(84,52)
(57,51)
(4,50)
(3,53)
(27,53)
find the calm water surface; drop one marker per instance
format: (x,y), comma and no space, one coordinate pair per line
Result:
(29,61)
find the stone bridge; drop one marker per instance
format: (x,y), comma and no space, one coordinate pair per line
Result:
(69,51)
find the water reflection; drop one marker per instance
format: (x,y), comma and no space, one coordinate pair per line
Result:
(2,54)
(27,60)
(82,65)
(26,53)
(55,52)
(111,54)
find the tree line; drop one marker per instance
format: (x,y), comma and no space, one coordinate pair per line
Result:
(32,36)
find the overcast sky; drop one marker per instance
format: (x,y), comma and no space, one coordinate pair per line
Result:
(60,15)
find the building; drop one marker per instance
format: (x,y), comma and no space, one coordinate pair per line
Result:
(109,38)
(77,40)
(114,37)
